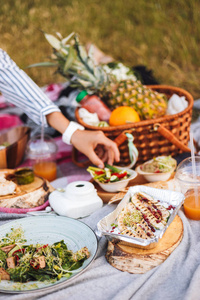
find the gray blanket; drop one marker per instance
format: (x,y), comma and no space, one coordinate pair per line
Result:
(177,278)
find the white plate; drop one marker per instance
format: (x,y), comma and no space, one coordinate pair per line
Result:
(48,230)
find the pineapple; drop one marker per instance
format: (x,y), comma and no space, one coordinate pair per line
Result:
(148,103)
(78,66)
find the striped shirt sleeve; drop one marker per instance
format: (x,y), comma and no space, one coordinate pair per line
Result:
(19,89)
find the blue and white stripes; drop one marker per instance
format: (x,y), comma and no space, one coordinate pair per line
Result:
(19,89)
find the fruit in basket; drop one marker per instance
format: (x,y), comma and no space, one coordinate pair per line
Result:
(123,115)
(148,103)
(78,66)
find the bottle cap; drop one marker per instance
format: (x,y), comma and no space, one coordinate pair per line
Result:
(81,95)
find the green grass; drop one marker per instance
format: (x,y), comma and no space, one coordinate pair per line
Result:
(164,35)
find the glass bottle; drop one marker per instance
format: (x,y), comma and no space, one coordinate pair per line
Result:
(94,105)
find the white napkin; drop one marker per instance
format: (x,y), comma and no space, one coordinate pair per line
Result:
(176,104)
(89,118)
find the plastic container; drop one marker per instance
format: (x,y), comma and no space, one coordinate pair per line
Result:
(79,199)
(42,156)
(94,105)
(166,198)
(190,186)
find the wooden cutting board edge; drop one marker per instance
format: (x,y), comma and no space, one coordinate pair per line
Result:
(139,261)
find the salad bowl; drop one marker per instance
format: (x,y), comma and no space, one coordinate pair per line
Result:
(113,186)
(13,145)
(157,169)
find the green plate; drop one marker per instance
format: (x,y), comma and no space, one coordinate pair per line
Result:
(48,230)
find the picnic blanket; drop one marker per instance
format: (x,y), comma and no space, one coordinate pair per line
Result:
(177,278)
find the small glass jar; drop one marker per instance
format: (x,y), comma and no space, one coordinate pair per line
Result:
(41,154)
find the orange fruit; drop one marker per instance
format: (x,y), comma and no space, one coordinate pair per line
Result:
(123,115)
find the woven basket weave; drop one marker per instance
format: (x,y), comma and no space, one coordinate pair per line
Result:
(168,135)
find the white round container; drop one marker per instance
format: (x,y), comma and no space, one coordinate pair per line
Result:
(78,200)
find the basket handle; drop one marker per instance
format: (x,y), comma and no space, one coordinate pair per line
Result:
(120,139)
(170,137)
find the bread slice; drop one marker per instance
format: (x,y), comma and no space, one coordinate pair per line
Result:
(25,196)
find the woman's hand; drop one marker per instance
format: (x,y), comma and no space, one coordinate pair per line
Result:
(96,146)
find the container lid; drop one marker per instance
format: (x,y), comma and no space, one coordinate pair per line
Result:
(80,188)
(81,95)
(187,172)
(38,148)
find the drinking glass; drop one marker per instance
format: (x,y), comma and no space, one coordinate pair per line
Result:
(41,153)
(188,176)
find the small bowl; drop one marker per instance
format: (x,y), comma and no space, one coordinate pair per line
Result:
(153,177)
(118,185)
(17,138)
(24,176)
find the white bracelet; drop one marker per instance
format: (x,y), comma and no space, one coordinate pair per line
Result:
(71,128)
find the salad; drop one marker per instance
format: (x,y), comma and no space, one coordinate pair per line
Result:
(160,164)
(22,263)
(108,174)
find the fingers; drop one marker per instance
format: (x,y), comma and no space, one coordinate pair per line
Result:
(105,157)
(113,153)
(101,153)
(99,150)
(89,141)
(96,160)
(110,158)
(110,147)
(106,150)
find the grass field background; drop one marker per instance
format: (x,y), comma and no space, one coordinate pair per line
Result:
(163,35)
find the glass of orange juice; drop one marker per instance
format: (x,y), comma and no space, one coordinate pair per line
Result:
(188,176)
(41,153)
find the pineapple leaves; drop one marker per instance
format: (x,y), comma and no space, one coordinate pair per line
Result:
(74,62)
(79,50)
(85,84)
(59,35)
(91,51)
(53,41)
(70,59)
(43,64)
(82,52)
(68,38)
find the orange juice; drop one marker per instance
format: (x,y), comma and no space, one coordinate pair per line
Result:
(46,169)
(192,211)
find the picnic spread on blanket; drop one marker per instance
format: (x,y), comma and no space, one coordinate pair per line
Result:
(128,230)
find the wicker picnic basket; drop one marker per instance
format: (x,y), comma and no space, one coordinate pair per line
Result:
(168,135)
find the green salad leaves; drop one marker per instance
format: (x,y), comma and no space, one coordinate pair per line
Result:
(42,262)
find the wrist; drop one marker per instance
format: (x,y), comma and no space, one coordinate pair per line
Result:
(71,128)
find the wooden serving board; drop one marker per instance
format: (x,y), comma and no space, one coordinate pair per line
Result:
(26,196)
(138,261)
